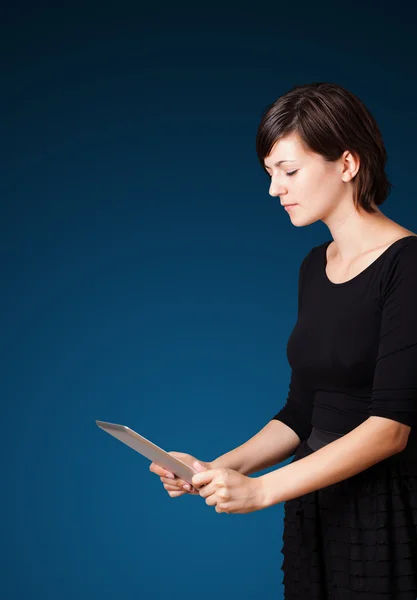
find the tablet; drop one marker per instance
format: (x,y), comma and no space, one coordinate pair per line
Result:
(149,450)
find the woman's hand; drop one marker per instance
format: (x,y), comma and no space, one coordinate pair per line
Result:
(173,485)
(230,491)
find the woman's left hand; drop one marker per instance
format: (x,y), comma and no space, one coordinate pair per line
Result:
(229,491)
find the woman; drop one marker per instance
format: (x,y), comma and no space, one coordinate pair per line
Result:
(350,420)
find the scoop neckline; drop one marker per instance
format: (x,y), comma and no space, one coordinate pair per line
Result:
(378,258)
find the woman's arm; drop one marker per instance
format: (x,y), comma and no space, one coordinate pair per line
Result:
(271,445)
(374,440)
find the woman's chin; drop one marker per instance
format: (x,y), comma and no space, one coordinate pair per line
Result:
(301,220)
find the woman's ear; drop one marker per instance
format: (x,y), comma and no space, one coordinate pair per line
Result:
(350,165)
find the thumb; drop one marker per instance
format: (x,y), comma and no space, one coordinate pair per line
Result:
(198,466)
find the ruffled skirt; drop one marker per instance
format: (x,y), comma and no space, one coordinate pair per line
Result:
(356,539)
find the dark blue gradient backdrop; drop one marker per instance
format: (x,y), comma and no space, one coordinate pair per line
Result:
(149,279)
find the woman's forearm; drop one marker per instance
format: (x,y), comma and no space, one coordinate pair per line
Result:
(271,445)
(372,441)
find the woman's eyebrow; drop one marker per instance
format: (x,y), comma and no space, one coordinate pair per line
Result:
(279,163)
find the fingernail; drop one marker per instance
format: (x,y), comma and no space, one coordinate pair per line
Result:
(170,475)
(187,487)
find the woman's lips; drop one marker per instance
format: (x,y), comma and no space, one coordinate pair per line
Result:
(289,206)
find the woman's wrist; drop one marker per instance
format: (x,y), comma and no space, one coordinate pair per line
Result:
(225,462)
(215,464)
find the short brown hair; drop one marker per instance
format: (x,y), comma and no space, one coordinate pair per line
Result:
(329,120)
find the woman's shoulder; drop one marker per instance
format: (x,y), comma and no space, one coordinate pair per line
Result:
(315,252)
(402,256)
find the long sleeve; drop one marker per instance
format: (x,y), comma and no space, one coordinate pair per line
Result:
(394,393)
(298,409)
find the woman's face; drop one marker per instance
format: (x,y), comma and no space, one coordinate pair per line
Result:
(315,186)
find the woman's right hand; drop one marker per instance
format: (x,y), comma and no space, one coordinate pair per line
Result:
(173,485)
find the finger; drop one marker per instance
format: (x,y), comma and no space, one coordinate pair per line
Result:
(154,468)
(207,489)
(203,478)
(189,489)
(176,494)
(173,489)
(170,487)
(169,484)
(174,482)
(179,483)
(212,500)
(161,471)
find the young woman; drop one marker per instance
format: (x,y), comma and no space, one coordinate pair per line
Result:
(350,420)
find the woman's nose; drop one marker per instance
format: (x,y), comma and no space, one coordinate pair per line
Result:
(277,189)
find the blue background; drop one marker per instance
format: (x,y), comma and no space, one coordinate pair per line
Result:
(149,279)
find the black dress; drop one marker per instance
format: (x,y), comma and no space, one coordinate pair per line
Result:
(353,354)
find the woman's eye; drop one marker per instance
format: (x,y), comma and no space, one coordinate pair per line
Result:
(289,174)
